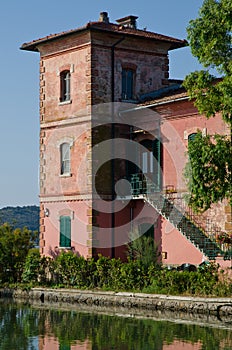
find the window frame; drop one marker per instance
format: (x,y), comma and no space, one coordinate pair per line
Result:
(65,231)
(192,136)
(65,159)
(128,83)
(65,86)
(152,168)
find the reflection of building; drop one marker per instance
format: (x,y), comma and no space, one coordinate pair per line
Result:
(52,343)
(82,72)
(178,345)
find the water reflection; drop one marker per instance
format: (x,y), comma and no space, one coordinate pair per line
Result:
(50,328)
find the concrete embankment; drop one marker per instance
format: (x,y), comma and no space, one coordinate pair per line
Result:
(209,306)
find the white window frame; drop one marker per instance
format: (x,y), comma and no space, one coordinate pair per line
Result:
(65,86)
(65,159)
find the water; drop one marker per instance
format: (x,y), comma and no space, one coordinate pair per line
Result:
(59,327)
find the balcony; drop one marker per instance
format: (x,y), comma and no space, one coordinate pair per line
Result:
(142,185)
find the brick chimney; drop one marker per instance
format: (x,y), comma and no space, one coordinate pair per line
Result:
(104,17)
(128,22)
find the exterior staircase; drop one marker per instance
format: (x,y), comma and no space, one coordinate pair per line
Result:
(143,187)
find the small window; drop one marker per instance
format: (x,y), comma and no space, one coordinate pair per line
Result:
(65,158)
(65,231)
(192,137)
(127,84)
(65,86)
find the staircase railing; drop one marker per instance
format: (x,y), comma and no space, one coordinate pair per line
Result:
(197,230)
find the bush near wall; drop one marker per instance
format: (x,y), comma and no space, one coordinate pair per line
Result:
(68,270)
(15,243)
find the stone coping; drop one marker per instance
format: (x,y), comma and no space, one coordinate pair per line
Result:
(210,312)
(140,301)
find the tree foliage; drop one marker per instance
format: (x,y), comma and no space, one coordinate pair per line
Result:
(14,247)
(210,38)
(20,217)
(144,249)
(209,170)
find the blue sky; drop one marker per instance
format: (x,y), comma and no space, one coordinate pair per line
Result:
(26,20)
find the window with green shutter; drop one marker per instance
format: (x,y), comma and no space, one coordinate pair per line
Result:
(192,137)
(65,231)
(127,84)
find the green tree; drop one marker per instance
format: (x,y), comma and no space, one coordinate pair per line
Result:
(207,170)
(14,247)
(210,38)
(31,266)
(143,248)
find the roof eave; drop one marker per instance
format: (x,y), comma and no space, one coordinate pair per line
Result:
(178,45)
(33,46)
(173,44)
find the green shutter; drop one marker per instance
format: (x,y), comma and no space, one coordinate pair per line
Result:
(65,231)
(192,137)
(123,84)
(157,167)
(127,84)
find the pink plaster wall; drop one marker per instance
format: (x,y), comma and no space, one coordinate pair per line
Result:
(54,183)
(54,60)
(179,249)
(179,120)
(77,210)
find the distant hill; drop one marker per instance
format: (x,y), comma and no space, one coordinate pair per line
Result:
(20,217)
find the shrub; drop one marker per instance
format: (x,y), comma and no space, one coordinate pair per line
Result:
(31,266)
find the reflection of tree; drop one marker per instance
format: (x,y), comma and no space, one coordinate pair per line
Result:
(18,323)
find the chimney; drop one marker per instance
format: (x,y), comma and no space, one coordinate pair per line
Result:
(128,22)
(104,17)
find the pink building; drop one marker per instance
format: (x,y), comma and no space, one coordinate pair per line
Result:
(114,132)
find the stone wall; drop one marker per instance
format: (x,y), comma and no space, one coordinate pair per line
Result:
(139,301)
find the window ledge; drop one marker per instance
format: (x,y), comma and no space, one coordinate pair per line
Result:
(65,103)
(66,175)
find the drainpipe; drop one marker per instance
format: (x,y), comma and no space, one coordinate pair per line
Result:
(112,147)
(112,66)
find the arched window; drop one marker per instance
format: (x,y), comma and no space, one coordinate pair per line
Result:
(128,77)
(191,137)
(65,158)
(65,86)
